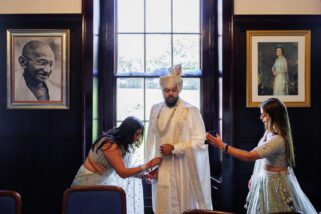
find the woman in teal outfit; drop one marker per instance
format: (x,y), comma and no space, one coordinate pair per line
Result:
(273,186)
(111,161)
(107,153)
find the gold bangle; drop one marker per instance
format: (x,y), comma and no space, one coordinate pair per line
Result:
(143,167)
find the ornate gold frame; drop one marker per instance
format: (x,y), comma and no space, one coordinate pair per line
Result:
(300,37)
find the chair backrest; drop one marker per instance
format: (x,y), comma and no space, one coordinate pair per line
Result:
(200,211)
(288,212)
(100,199)
(10,202)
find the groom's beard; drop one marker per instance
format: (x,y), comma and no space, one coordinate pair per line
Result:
(171,101)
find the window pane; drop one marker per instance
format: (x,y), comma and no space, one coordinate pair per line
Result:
(130,98)
(158,16)
(146,124)
(130,15)
(186,16)
(95,48)
(95,109)
(158,52)
(130,53)
(95,98)
(95,131)
(187,51)
(191,91)
(220,17)
(118,123)
(220,54)
(96,17)
(153,94)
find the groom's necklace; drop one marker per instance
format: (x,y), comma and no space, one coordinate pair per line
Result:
(163,132)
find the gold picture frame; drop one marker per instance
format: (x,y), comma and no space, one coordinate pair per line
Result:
(38,68)
(278,65)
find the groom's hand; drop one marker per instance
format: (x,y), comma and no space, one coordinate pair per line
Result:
(166,149)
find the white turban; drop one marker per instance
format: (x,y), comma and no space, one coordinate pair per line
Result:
(173,78)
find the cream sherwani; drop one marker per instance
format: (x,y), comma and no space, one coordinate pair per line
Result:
(184,177)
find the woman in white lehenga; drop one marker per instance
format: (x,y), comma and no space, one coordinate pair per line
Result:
(132,185)
(273,185)
(280,73)
(111,160)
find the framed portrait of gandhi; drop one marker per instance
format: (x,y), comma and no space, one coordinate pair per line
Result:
(38,68)
(278,65)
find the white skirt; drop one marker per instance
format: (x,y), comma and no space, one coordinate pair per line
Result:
(277,192)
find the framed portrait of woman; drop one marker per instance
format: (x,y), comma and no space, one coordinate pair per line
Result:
(278,65)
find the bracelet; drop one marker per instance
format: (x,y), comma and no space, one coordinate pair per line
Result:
(225,148)
(143,167)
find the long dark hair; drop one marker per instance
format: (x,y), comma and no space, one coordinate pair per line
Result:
(123,135)
(280,124)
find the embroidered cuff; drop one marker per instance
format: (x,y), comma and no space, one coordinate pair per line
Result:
(178,149)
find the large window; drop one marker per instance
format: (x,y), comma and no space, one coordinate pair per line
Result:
(151,36)
(148,36)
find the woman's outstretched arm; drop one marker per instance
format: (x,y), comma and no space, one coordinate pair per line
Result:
(114,157)
(237,153)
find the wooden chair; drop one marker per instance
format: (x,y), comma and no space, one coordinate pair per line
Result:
(100,199)
(200,211)
(10,202)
